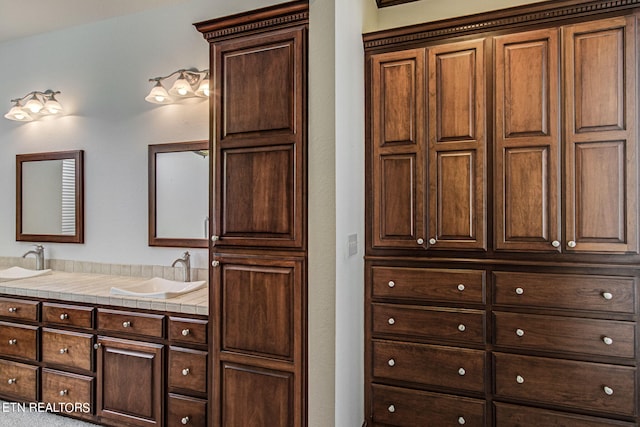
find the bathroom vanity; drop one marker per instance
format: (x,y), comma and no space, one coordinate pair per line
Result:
(137,362)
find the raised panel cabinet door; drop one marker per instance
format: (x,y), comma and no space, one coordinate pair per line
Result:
(259,139)
(457,146)
(129,382)
(527,134)
(601,136)
(397,132)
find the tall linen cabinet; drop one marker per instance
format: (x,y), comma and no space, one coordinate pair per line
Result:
(258,255)
(501,269)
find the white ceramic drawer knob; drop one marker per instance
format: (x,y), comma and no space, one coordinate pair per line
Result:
(391,362)
(461,421)
(420,241)
(607,340)
(519,379)
(571,244)
(461,372)
(391,283)
(64,350)
(13,341)
(215,238)
(11,381)
(215,263)
(519,332)
(185,420)
(519,291)
(185,332)
(461,327)
(391,409)
(126,324)
(608,390)
(607,295)
(185,371)
(63,392)
(461,287)
(12,309)
(391,321)
(555,244)
(432,241)
(64,316)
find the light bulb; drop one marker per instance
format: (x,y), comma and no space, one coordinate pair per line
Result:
(159,95)
(203,88)
(52,106)
(18,114)
(181,87)
(34,105)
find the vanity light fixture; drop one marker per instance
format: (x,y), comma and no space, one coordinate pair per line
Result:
(191,83)
(39,104)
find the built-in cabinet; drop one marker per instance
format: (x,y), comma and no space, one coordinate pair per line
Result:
(501,274)
(258,298)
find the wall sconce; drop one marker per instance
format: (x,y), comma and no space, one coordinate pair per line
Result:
(189,84)
(39,104)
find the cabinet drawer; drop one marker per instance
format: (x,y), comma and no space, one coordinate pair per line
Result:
(67,348)
(19,309)
(18,340)
(449,367)
(585,385)
(18,380)
(441,323)
(395,406)
(429,284)
(65,387)
(69,315)
(188,369)
(188,330)
(565,334)
(522,416)
(566,291)
(151,325)
(184,410)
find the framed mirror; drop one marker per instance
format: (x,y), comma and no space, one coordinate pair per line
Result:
(50,197)
(179,194)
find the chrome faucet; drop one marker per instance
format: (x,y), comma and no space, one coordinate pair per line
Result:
(39,253)
(186,262)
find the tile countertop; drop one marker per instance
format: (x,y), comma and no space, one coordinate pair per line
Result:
(94,289)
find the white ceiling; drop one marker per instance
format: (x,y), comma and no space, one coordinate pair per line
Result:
(22,18)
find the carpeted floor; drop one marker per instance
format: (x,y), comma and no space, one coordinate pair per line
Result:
(14,416)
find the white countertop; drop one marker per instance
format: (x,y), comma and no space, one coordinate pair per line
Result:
(94,289)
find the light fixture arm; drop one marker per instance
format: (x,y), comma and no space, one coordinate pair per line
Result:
(191,74)
(47,94)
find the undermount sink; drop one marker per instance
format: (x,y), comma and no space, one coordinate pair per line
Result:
(159,288)
(16,273)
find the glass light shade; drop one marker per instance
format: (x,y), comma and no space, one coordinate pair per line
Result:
(52,106)
(34,105)
(181,87)
(159,95)
(203,88)
(18,114)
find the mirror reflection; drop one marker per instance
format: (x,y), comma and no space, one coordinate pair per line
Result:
(178,194)
(49,197)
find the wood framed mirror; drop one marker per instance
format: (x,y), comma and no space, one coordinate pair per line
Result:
(179,194)
(50,197)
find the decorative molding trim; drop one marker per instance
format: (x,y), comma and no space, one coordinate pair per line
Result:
(531,14)
(254,26)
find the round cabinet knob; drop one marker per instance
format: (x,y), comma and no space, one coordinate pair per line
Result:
(63,392)
(555,244)
(64,316)
(461,421)
(64,350)
(391,321)
(12,309)
(432,241)
(13,341)
(519,291)
(571,244)
(126,324)
(461,372)
(185,332)
(185,420)
(391,409)
(185,371)
(607,340)
(519,379)
(608,390)
(215,238)
(11,381)
(421,241)
(97,346)
(461,327)
(519,332)
(460,287)
(215,263)
(391,362)
(607,295)
(391,283)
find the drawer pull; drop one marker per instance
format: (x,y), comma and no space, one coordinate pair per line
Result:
(420,241)
(391,321)
(64,350)
(391,409)
(461,372)
(519,379)
(519,332)
(571,244)
(185,332)
(607,295)
(391,362)
(391,283)
(126,324)
(13,341)
(461,327)
(555,244)
(64,316)
(461,287)
(13,309)
(432,241)
(63,393)
(519,291)
(12,381)
(185,420)
(607,340)
(608,390)
(215,263)
(97,346)
(185,371)
(461,421)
